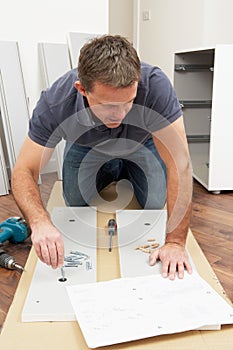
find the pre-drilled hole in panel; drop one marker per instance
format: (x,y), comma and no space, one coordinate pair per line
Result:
(62,279)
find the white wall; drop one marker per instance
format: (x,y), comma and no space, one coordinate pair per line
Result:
(174,25)
(121,18)
(181,25)
(30,22)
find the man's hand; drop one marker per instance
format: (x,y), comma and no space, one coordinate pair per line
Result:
(48,243)
(174,258)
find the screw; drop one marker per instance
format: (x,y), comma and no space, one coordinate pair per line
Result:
(76,252)
(63,278)
(88,265)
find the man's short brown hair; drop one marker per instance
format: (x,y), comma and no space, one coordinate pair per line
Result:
(110,60)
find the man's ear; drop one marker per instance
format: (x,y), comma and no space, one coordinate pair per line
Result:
(80,88)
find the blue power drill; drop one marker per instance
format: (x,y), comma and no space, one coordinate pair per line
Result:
(14,230)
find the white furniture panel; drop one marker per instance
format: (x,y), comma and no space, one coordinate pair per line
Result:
(4,181)
(140,228)
(203,83)
(47,298)
(55,61)
(75,42)
(13,102)
(134,228)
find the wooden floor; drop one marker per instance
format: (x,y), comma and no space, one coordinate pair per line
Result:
(211,224)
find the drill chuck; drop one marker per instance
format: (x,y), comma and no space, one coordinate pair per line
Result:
(8,262)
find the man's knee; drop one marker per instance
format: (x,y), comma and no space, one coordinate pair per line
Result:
(157,202)
(152,201)
(73,198)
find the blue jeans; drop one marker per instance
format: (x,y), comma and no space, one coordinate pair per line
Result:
(87,172)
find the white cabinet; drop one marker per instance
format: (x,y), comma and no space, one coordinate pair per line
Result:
(203,80)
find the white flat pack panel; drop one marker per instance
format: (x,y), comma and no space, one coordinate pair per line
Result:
(134,228)
(75,42)
(4,181)
(140,228)
(13,101)
(55,61)
(47,298)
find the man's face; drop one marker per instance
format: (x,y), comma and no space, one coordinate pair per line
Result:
(109,104)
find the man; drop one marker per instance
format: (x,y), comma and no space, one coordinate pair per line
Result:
(121,120)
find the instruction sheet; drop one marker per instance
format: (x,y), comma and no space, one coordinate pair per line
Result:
(135,308)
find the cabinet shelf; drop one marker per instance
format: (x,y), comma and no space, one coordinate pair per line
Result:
(195,104)
(193,67)
(198,138)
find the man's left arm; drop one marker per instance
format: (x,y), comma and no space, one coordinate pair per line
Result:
(172,146)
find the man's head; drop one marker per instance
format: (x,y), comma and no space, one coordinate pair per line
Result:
(109,71)
(110,60)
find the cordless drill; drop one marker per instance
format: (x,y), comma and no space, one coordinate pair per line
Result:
(15,230)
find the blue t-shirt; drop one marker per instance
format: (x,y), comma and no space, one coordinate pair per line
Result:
(62,112)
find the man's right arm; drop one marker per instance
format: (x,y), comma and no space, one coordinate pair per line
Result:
(47,240)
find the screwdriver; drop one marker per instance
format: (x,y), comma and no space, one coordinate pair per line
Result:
(111,230)
(9,262)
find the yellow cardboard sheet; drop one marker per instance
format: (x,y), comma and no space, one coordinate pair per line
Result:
(67,335)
